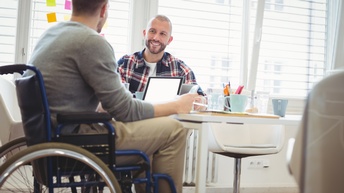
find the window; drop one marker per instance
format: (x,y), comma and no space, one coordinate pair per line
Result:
(292,53)
(116,30)
(8,21)
(215,38)
(207,37)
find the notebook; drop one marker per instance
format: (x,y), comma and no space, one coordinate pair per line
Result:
(161,89)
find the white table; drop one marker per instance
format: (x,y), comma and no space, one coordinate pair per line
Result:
(200,121)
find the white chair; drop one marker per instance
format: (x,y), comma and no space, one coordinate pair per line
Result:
(244,140)
(10,117)
(317,157)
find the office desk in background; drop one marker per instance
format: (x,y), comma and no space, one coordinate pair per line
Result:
(199,122)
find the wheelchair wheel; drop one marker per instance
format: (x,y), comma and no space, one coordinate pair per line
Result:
(10,148)
(85,172)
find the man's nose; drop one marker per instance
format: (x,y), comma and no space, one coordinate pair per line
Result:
(156,36)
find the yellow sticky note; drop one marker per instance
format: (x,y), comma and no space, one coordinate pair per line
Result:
(66,17)
(51,3)
(105,26)
(51,17)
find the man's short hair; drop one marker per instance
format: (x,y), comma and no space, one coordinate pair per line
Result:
(87,7)
(161,18)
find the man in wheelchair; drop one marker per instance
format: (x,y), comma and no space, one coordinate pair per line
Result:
(79,70)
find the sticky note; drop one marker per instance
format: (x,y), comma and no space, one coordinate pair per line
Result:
(66,17)
(68,4)
(51,3)
(105,26)
(51,17)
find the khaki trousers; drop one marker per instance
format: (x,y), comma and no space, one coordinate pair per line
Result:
(162,139)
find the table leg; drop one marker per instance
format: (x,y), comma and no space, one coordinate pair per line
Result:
(201,171)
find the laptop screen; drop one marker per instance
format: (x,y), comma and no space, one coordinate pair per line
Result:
(161,89)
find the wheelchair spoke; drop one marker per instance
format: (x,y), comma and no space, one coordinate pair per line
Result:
(76,167)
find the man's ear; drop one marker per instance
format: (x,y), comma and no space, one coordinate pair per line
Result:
(170,40)
(103,10)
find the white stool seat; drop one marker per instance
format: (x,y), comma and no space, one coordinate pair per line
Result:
(244,140)
(10,117)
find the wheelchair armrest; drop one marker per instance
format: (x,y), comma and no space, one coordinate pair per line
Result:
(15,68)
(83,117)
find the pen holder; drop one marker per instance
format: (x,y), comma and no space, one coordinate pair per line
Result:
(227,104)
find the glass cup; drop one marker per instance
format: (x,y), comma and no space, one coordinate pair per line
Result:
(126,85)
(262,100)
(139,95)
(215,99)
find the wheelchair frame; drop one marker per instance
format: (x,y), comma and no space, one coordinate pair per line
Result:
(51,145)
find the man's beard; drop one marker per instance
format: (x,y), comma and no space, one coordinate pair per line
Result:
(149,46)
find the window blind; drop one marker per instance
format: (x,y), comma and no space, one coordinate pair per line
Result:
(208,36)
(292,51)
(116,29)
(8,22)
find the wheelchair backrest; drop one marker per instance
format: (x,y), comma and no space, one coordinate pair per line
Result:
(32,110)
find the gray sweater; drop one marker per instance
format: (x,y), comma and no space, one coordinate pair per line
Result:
(78,66)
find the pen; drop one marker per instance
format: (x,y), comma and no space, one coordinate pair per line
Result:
(225,90)
(200,104)
(239,89)
(229,88)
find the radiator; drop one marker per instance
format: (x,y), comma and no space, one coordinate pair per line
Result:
(190,173)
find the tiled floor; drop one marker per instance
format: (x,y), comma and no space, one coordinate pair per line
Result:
(244,190)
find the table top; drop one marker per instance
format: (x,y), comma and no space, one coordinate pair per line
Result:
(292,120)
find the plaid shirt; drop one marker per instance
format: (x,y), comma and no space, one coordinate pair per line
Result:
(133,70)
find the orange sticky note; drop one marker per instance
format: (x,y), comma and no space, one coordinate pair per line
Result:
(51,3)
(51,17)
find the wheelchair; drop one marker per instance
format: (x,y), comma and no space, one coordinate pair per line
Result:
(46,160)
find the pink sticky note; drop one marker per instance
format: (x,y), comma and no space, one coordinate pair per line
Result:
(51,17)
(68,4)
(51,3)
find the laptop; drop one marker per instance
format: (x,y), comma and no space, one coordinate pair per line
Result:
(185,88)
(161,89)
